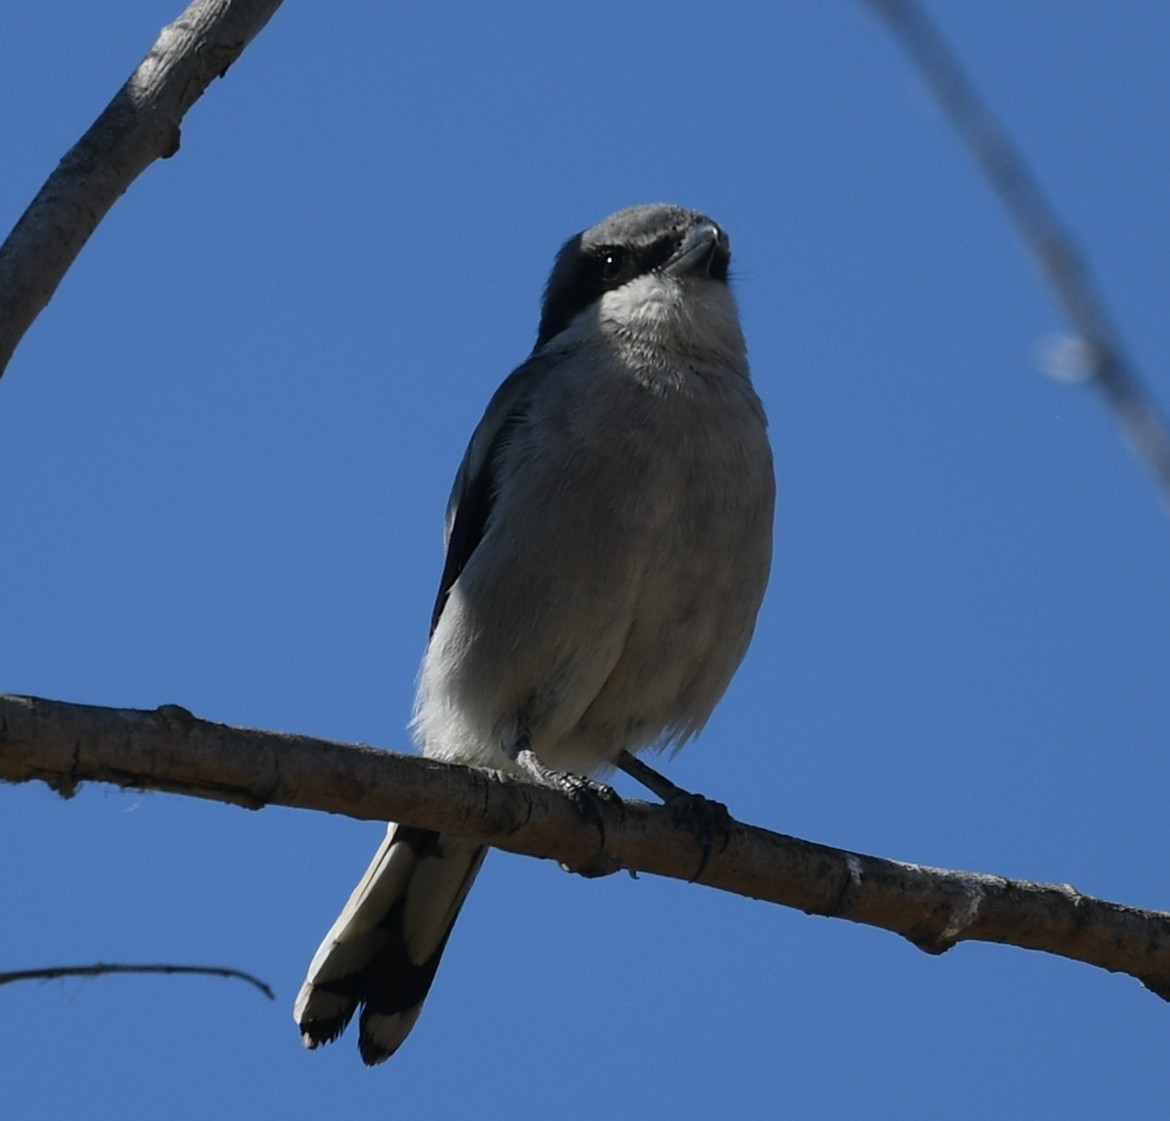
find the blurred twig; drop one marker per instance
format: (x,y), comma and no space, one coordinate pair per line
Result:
(50,973)
(1100,349)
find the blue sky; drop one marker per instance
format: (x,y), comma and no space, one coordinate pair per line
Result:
(225,449)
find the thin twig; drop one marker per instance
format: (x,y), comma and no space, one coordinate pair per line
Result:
(51,973)
(1100,349)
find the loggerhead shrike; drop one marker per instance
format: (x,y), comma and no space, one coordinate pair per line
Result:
(608,541)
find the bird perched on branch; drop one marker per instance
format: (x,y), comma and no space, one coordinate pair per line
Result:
(608,542)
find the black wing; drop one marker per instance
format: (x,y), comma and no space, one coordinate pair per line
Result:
(474,492)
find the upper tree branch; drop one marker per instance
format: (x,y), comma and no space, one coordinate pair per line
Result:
(138,127)
(169,749)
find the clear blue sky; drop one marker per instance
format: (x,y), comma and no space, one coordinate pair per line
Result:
(225,449)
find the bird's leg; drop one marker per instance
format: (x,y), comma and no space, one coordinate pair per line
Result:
(707,819)
(658,784)
(586,794)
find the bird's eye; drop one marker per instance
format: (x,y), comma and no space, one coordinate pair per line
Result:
(612,262)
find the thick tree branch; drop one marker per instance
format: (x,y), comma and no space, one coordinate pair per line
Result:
(138,127)
(169,749)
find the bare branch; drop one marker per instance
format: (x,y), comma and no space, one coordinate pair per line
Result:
(51,973)
(169,749)
(1100,348)
(138,127)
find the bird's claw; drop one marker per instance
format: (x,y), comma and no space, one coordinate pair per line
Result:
(708,820)
(586,794)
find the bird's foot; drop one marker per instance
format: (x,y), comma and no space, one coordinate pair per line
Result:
(708,820)
(585,793)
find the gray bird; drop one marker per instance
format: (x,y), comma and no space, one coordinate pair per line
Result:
(608,540)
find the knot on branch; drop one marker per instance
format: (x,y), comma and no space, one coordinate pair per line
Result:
(961,915)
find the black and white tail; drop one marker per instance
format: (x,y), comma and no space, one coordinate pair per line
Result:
(384,948)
